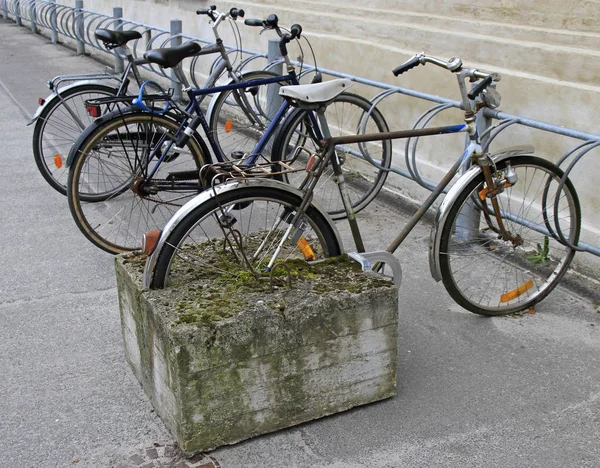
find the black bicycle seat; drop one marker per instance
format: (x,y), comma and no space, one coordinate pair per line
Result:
(116,38)
(169,57)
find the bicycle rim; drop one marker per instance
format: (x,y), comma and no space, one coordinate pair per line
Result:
(110,195)
(488,275)
(244,226)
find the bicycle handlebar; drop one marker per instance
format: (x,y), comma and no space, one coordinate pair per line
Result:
(272,22)
(454,65)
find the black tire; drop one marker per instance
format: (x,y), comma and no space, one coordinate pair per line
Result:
(491,276)
(237,129)
(104,192)
(55,131)
(345,115)
(255,210)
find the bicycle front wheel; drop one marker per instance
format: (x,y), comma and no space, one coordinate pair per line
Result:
(347,114)
(257,217)
(58,126)
(490,275)
(113,197)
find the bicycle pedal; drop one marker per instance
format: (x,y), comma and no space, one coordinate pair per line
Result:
(368,260)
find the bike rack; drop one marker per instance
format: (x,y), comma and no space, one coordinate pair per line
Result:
(79,24)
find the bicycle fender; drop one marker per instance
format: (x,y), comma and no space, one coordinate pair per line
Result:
(206,196)
(128,110)
(54,96)
(444,209)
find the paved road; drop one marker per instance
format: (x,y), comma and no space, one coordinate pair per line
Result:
(473,391)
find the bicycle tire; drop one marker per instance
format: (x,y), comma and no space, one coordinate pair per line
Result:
(255,209)
(490,276)
(120,213)
(231,127)
(55,129)
(345,115)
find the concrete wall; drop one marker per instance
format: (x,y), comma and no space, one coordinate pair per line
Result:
(546,51)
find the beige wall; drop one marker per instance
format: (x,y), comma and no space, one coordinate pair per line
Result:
(547,51)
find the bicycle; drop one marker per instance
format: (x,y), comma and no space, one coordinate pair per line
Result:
(63,116)
(130,171)
(494,244)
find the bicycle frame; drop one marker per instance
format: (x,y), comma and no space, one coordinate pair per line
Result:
(194,108)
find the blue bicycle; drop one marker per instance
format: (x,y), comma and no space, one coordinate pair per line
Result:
(135,168)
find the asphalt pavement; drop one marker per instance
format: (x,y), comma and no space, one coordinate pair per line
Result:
(472,391)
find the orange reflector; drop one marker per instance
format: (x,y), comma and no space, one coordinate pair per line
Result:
(41,101)
(306,249)
(228,126)
(311,161)
(509,296)
(58,161)
(149,240)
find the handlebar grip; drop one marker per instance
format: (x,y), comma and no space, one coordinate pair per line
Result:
(271,21)
(412,63)
(295,31)
(236,12)
(477,90)
(253,22)
(206,11)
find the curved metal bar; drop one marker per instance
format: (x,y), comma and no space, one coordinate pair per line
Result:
(411,163)
(560,189)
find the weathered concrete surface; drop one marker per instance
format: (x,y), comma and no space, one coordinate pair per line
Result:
(266,368)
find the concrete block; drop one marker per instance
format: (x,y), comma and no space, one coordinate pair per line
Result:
(280,358)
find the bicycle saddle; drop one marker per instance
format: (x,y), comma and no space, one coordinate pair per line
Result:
(116,38)
(169,57)
(315,93)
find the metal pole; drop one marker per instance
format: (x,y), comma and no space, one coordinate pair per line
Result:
(176,29)
(18,19)
(467,223)
(79,32)
(53,24)
(119,64)
(32,15)
(274,100)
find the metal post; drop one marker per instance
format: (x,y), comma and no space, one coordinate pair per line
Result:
(274,100)
(176,29)
(467,224)
(79,27)
(32,15)
(18,19)
(53,23)
(119,64)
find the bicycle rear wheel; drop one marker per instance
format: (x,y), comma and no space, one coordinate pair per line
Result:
(488,275)
(58,126)
(112,197)
(258,217)
(347,114)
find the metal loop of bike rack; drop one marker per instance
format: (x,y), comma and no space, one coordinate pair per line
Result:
(79,24)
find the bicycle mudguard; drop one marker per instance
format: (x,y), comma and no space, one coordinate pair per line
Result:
(457,188)
(209,194)
(54,96)
(128,110)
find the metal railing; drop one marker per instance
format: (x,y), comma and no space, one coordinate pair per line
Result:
(79,24)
